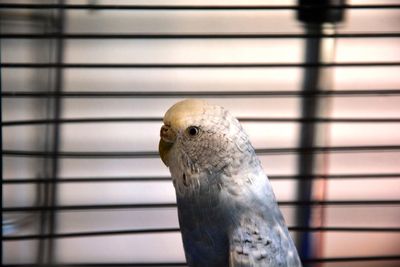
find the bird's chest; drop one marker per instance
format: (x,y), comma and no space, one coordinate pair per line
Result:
(204,232)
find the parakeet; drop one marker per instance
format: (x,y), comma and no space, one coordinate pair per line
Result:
(227,210)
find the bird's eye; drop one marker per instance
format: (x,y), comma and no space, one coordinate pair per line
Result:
(193,130)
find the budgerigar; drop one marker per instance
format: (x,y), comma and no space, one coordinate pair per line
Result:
(227,210)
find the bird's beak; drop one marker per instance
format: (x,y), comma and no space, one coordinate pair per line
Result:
(167,139)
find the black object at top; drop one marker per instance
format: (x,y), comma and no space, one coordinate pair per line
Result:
(316,11)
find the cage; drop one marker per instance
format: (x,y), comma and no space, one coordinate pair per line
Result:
(85,85)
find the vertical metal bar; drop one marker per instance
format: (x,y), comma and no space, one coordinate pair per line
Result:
(312,134)
(1,133)
(56,134)
(43,190)
(307,140)
(319,19)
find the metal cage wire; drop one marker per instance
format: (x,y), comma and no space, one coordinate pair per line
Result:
(313,120)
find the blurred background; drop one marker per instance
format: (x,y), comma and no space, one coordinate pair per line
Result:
(86,83)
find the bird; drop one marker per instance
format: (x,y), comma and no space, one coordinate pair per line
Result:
(227,210)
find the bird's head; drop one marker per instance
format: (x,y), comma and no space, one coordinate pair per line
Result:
(204,147)
(205,135)
(181,125)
